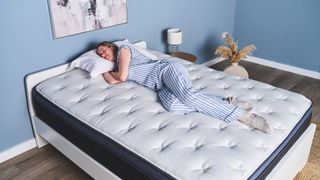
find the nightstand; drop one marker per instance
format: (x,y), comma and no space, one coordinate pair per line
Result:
(185,56)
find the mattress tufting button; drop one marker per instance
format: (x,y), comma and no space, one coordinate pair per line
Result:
(165,146)
(162,127)
(249,87)
(192,127)
(159,112)
(131,111)
(259,98)
(106,98)
(226,87)
(222,128)
(205,170)
(198,147)
(81,100)
(233,145)
(66,76)
(239,78)
(202,87)
(268,86)
(268,110)
(104,111)
(62,87)
(130,128)
(293,110)
(85,87)
(241,169)
(282,97)
(262,147)
(133,87)
(220,77)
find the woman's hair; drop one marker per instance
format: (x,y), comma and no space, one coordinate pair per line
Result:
(107,43)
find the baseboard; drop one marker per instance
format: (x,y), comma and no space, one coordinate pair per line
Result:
(265,62)
(213,61)
(16,150)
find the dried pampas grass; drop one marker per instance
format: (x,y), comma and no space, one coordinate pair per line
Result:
(231,50)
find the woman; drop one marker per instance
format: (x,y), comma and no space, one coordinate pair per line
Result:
(170,80)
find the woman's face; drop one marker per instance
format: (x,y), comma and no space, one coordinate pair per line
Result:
(106,52)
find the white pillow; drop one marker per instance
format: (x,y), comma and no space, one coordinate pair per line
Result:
(158,54)
(145,52)
(92,63)
(142,50)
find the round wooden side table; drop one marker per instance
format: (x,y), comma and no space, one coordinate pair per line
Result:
(185,56)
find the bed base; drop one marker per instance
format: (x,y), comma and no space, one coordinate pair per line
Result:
(85,162)
(287,168)
(296,158)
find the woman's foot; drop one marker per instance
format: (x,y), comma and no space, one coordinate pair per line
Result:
(255,121)
(242,104)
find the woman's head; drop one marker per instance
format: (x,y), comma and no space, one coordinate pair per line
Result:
(107,50)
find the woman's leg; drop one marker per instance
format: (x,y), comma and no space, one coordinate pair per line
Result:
(171,103)
(176,79)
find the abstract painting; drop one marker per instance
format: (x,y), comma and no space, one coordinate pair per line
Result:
(70,17)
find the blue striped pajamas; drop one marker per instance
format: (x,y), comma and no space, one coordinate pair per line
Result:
(171,81)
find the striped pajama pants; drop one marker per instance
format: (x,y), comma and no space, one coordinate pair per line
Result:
(177,94)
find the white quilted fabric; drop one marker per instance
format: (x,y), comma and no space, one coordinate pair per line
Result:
(187,146)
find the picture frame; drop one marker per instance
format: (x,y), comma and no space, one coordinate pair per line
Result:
(70,17)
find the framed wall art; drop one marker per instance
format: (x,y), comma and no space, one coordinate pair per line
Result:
(69,17)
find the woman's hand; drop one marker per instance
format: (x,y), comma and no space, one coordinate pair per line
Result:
(109,78)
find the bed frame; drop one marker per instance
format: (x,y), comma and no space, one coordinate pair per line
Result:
(287,168)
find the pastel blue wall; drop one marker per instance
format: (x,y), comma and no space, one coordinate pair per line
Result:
(286,31)
(27,45)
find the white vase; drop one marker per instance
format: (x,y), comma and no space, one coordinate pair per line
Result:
(237,70)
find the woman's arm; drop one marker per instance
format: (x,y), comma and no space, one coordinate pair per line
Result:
(109,78)
(123,67)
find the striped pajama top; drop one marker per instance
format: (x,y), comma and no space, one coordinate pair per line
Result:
(143,70)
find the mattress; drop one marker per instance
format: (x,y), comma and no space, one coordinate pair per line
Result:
(125,128)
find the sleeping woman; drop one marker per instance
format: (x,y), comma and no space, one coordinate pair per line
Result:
(174,88)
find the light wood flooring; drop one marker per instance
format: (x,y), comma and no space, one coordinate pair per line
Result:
(49,164)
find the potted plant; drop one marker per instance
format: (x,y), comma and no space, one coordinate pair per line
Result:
(232,53)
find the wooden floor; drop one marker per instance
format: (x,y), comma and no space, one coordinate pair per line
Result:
(41,164)
(47,163)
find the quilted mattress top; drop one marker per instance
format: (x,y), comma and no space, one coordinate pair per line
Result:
(186,146)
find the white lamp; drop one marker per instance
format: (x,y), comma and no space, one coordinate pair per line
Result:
(174,39)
